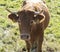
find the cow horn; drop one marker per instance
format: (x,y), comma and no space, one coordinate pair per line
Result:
(36,13)
(11,11)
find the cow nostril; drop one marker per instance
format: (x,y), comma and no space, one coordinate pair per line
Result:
(21,36)
(27,37)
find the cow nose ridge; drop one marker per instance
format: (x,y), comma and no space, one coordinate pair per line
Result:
(25,36)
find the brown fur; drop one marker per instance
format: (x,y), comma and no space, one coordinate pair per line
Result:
(37,26)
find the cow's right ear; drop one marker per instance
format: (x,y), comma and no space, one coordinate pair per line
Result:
(13,17)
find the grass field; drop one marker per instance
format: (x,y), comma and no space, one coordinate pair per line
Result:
(9,33)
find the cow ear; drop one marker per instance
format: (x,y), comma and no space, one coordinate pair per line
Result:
(41,17)
(13,17)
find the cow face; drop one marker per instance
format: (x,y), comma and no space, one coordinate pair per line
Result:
(28,21)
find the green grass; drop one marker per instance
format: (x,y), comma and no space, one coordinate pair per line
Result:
(9,32)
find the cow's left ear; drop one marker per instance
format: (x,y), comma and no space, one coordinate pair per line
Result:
(13,17)
(41,17)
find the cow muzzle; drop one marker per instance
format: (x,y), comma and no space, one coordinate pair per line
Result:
(25,36)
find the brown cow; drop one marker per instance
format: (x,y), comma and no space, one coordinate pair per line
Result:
(33,19)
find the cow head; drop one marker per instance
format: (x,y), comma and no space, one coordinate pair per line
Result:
(27,21)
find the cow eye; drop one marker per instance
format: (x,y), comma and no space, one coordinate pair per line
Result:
(31,21)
